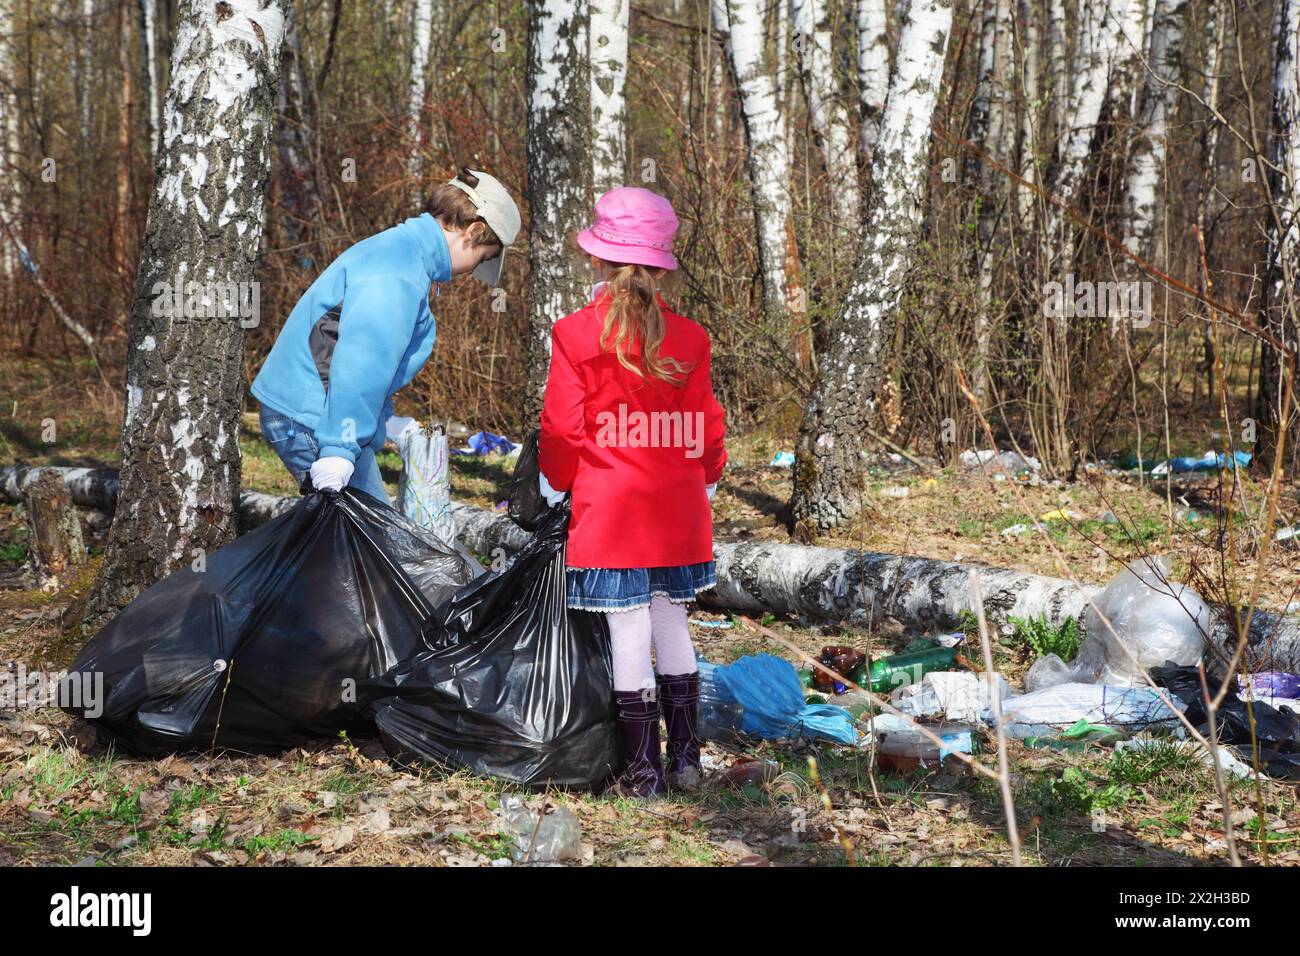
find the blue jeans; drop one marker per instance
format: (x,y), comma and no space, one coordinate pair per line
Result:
(298,448)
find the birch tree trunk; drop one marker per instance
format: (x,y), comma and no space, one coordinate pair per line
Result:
(559,173)
(149,61)
(1031,120)
(294,130)
(873,75)
(609,22)
(988,128)
(180,477)
(1144,199)
(1127,18)
(828,470)
(812,42)
(9,197)
(421,27)
(1216,29)
(1059,79)
(769,160)
(1097,43)
(84,68)
(1276,415)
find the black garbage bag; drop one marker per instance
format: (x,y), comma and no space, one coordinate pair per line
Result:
(1277,730)
(513,684)
(527,507)
(264,647)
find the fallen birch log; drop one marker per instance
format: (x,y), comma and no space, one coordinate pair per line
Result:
(818,585)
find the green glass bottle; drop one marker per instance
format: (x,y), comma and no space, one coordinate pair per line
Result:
(900,670)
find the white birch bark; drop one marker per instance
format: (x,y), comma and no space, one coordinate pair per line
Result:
(185,369)
(558,149)
(1027,50)
(421,28)
(1129,19)
(609,23)
(834,433)
(812,42)
(989,129)
(1094,57)
(769,160)
(1058,66)
(149,59)
(1148,147)
(9,197)
(873,73)
(86,68)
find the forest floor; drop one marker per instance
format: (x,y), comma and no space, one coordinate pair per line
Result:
(66,798)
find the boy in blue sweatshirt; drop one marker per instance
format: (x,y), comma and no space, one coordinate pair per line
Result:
(363,330)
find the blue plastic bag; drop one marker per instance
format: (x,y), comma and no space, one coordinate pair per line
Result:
(769,695)
(486,443)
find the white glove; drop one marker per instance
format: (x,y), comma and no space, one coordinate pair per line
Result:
(331,474)
(552,496)
(398,427)
(710,490)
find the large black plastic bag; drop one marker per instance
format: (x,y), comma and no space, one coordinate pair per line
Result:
(258,651)
(514,685)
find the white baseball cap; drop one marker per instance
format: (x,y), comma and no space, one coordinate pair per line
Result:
(498,209)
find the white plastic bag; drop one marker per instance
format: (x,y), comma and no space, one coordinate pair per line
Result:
(1046,712)
(1157,620)
(424,488)
(954,695)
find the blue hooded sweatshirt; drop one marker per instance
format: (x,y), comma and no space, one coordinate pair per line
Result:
(359,333)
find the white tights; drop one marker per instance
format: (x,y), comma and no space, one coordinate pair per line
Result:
(631,633)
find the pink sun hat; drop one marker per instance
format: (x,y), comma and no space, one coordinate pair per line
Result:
(633,226)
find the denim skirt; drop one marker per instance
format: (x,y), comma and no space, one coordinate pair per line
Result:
(624,589)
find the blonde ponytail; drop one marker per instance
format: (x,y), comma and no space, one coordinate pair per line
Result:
(634,314)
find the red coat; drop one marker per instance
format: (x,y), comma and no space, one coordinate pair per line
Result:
(634,452)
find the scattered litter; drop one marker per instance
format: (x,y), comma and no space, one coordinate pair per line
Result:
(899,738)
(761,695)
(1019,529)
(486,443)
(424,487)
(953,695)
(752,772)
(843,660)
(723,625)
(1270,684)
(1109,518)
(552,838)
(1288,537)
(1013,463)
(895,491)
(1210,461)
(887,674)
(1276,731)
(1061,514)
(782,459)
(1156,620)
(1046,713)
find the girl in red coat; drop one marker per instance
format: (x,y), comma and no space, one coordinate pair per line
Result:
(630,428)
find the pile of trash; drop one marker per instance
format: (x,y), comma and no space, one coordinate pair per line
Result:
(1140,622)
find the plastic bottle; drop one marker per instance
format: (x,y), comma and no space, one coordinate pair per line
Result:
(719,714)
(900,670)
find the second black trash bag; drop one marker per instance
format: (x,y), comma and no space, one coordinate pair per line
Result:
(262,647)
(513,685)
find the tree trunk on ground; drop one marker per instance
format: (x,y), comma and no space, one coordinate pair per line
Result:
(185,370)
(817,585)
(873,77)
(741,21)
(828,471)
(1144,198)
(609,20)
(813,43)
(56,549)
(559,175)
(1279,417)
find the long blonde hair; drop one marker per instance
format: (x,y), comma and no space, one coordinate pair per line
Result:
(633,314)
